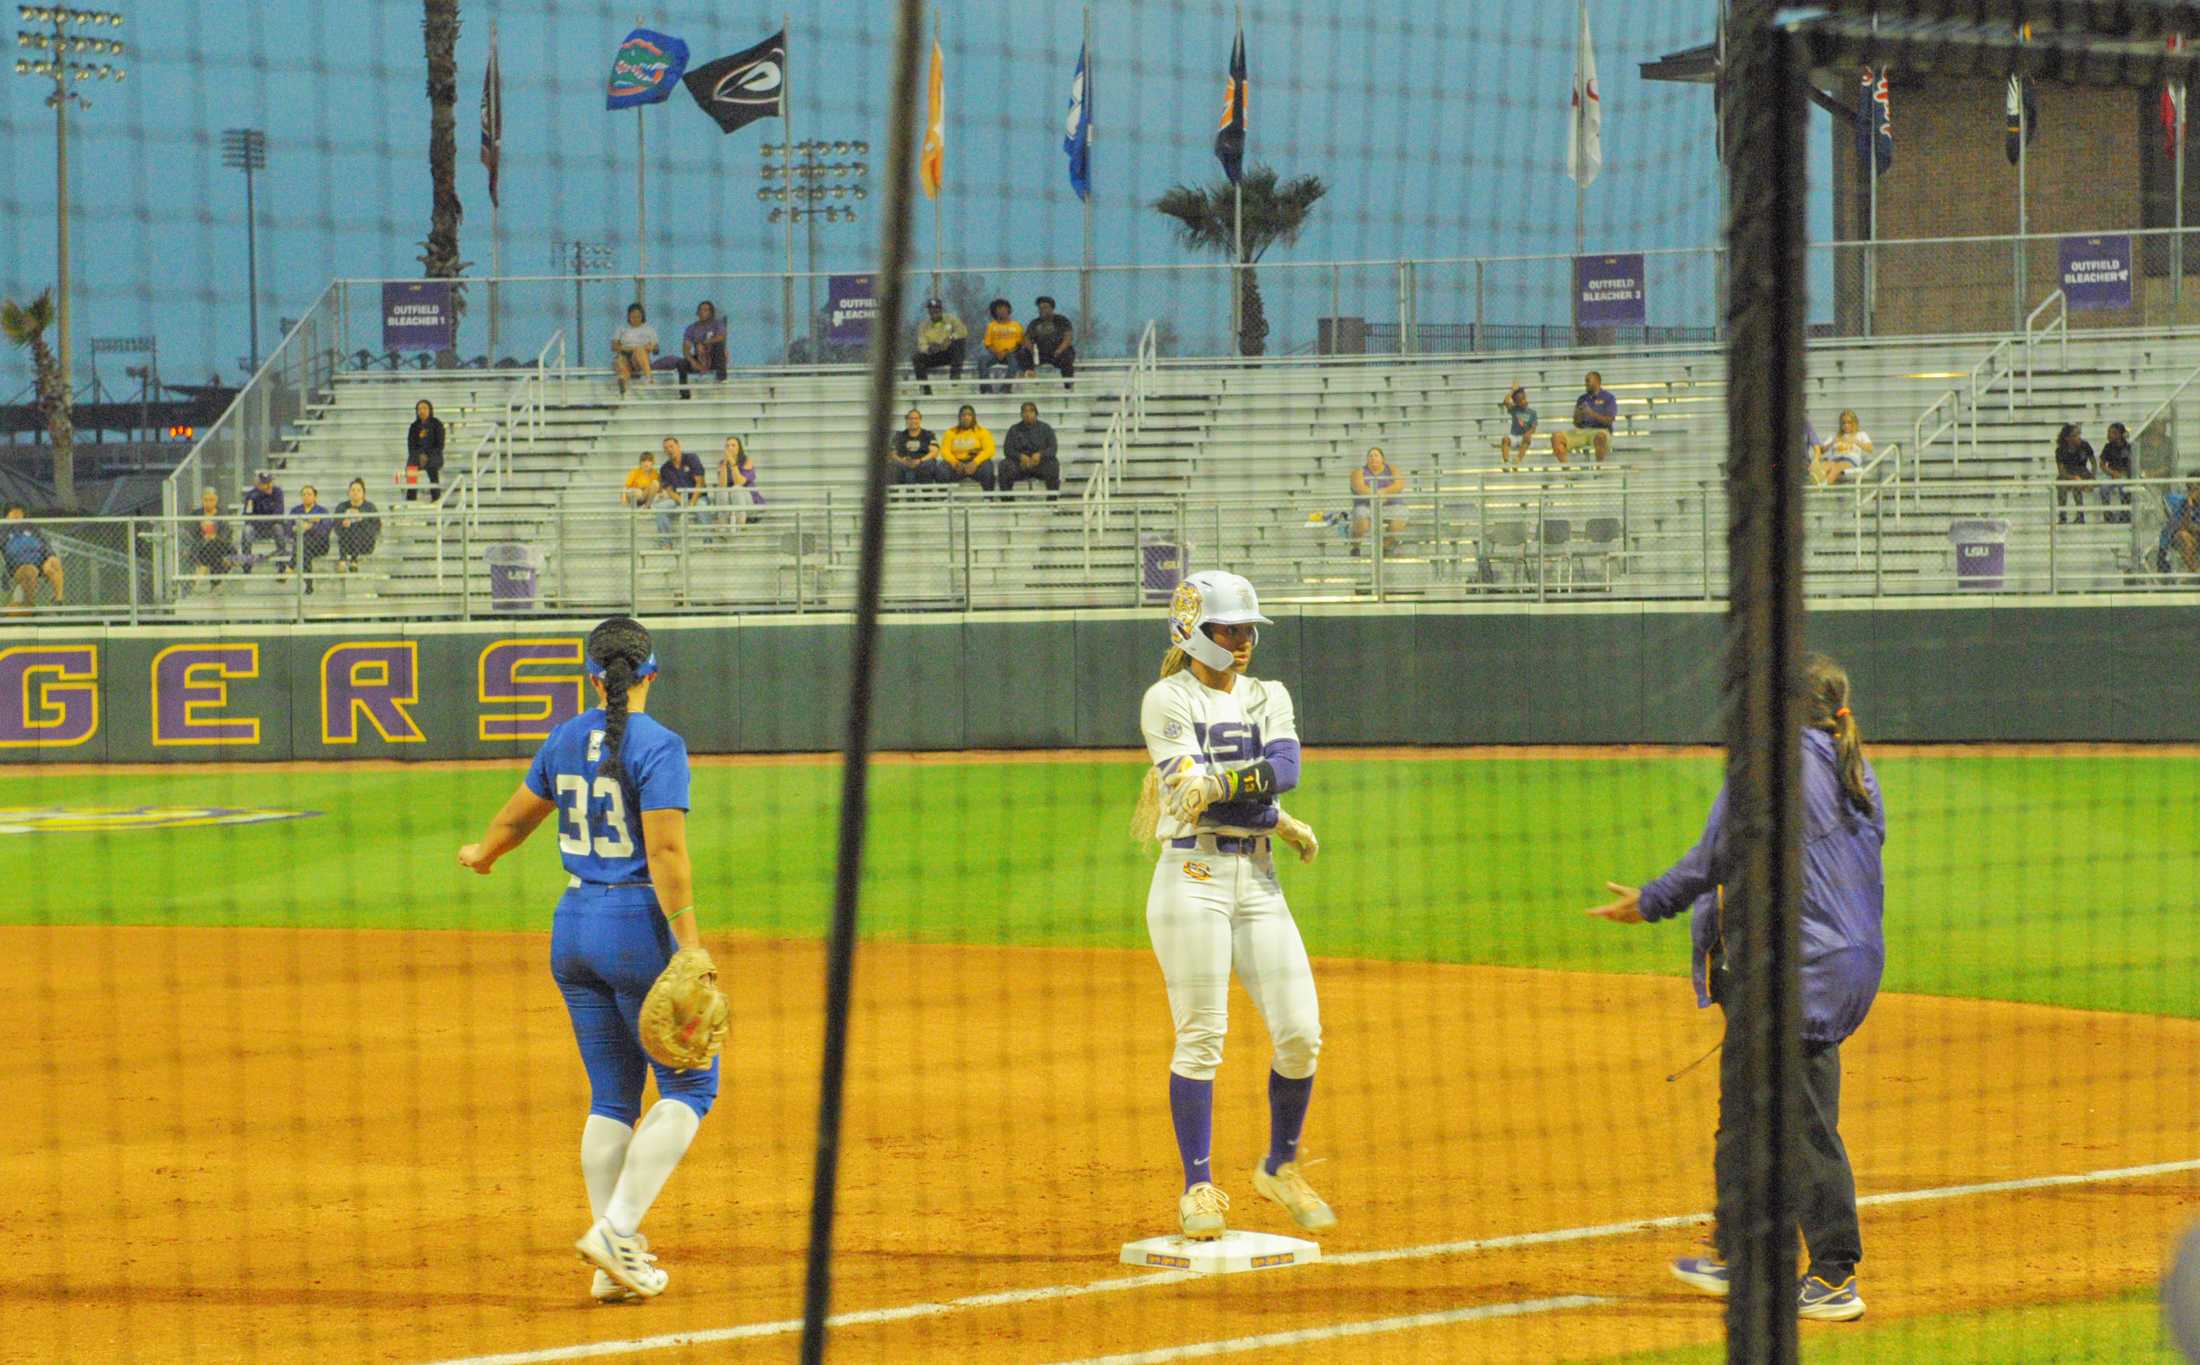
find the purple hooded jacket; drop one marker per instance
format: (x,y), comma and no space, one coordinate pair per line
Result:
(1844,896)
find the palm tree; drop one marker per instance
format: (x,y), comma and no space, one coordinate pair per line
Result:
(1275,211)
(25,325)
(439,27)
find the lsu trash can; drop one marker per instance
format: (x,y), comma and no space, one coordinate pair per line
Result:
(1161,562)
(514,570)
(1982,553)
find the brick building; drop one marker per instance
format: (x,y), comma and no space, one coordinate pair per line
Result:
(2097,163)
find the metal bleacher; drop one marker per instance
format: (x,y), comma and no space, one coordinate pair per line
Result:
(1228,463)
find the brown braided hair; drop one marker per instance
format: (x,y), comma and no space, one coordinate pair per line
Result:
(620,645)
(1826,707)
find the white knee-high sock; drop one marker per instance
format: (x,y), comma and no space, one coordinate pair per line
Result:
(659,1142)
(603,1152)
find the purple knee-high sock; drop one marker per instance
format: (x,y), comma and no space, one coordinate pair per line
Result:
(1192,1106)
(1287,1101)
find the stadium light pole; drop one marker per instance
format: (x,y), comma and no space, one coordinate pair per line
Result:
(245,149)
(55,40)
(805,185)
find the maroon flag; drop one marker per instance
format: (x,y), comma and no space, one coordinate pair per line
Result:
(492,115)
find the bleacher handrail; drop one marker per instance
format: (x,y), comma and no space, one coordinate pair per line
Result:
(2036,332)
(2163,406)
(295,353)
(1124,426)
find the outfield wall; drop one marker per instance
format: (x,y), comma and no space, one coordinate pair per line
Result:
(2016,669)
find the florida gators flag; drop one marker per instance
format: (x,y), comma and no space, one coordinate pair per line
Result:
(1585,130)
(933,164)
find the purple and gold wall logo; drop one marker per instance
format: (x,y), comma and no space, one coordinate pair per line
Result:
(375,679)
(49,696)
(191,693)
(115,819)
(531,686)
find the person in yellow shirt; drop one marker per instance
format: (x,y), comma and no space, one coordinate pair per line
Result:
(1004,346)
(967,450)
(641,483)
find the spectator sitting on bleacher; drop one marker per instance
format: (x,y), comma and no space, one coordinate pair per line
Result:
(2180,544)
(941,339)
(1594,413)
(310,529)
(1028,454)
(967,451)
(679,484)
(30,557)
(1373,481)
(424,451)
(211,550)
(1834,460)
(703,345)
(634,348)
(1004,345)
(264,517)
(913,452)
(733,483)
(1522,429)
(2116,465)
(1049,339)
(357,528)
(2073,469)
(641,483)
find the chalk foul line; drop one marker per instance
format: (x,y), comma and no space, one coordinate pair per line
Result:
(1007,1298)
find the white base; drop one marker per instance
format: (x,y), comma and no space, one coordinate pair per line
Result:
(1228,1254)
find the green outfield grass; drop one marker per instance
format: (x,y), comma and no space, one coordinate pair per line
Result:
(2062,880)
(2119,1331)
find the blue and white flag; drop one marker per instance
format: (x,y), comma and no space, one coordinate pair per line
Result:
(646,68)
(1077,137)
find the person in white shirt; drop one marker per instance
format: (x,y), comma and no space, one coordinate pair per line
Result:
(633,348)
(1850,449)
(1224,746)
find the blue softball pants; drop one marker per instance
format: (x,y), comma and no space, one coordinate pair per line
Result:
(607,946)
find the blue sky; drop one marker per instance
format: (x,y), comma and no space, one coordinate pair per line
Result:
(1438,124)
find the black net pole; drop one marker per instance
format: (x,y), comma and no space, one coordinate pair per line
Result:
(1761,1072)
(856,758)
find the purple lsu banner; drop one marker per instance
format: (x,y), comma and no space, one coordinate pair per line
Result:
(2096,272)
(851,306)
(1608,291)
(417,316)
(646,68)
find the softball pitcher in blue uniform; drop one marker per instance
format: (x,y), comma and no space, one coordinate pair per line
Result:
(617,782)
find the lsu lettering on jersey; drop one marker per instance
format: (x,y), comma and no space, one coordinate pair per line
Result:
(598,837)
(1183,717)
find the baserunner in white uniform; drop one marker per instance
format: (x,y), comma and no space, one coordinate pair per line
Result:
(1224,747)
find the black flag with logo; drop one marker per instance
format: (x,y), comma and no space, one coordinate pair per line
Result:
(740,89)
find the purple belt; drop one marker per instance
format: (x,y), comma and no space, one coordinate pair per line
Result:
(1225,843)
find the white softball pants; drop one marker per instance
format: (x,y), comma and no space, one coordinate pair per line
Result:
(1233,916)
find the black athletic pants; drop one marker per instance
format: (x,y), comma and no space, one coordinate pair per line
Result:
(1827,1207)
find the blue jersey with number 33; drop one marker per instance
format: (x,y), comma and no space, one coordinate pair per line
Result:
(599,838)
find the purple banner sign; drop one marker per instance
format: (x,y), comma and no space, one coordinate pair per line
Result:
(851,305)
(1608,291)
(2096,273)
(417,316)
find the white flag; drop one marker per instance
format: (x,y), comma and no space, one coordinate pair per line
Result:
(1585,140)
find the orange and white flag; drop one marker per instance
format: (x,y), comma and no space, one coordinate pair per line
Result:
(933,163)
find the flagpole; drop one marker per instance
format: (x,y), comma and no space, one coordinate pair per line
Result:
(496,244)
(786,179)
(1871,231)
(641,198)
(1237,216)
(2024,133)
(1084,276)
(943,177)
(2177,239)
(1581,119)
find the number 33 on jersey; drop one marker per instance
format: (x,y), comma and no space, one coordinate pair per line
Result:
(598,835)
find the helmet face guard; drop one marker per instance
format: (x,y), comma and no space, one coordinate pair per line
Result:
(1212,598)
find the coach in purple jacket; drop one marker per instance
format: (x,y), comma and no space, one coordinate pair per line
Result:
(1844,951)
